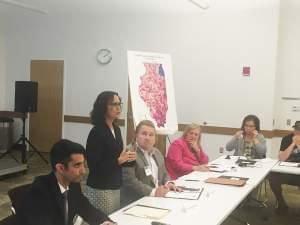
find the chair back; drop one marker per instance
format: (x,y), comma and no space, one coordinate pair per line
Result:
(16,196)
(10,220)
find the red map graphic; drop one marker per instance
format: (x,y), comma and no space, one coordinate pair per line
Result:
(153,92)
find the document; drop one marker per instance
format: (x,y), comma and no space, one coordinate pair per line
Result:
(290,164)
(187,193)
(146,211)
(218,168)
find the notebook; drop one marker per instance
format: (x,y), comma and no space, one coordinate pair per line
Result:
(228,180)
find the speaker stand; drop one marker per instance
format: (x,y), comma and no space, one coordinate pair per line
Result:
(23,140)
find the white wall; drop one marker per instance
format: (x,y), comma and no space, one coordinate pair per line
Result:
(288,66)
(208,49)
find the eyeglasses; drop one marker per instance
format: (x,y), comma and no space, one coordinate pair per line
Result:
(115,104)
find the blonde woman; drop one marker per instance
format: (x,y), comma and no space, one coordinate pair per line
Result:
(185,154)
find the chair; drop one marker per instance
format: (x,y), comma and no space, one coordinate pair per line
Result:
(16,195)
(10,220)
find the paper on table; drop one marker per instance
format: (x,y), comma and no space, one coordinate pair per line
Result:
(264,160)
(196,176)
(220,168)
(190,195)
(291,164)
(146,211)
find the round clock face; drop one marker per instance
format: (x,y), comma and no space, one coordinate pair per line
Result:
(104,56)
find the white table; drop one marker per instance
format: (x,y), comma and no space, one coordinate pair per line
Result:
(215,204)
(256,174)
(286,169)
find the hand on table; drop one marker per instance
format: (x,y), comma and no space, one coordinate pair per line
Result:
(161,191)
(202,168)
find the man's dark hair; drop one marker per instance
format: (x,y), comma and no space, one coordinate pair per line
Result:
(62,150)
(100,106)
(251,118)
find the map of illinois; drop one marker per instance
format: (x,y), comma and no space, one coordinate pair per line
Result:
(152,90)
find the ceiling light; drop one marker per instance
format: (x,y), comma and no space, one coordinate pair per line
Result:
(23,5)
(203,4)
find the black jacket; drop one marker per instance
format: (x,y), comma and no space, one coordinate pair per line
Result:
(44,204)
(103,151)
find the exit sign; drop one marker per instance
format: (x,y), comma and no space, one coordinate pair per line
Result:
(246,71)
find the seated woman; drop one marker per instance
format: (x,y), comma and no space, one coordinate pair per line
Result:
(185,154)
(248,141)
(148,177)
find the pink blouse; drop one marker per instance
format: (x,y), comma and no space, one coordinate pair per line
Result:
(180,159)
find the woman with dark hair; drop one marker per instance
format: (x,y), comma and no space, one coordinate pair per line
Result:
(105,154)
(248,141)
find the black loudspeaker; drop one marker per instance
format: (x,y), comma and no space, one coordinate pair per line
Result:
(26,94)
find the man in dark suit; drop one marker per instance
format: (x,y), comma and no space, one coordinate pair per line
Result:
(56,198)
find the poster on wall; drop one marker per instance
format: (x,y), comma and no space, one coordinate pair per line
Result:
(152,90)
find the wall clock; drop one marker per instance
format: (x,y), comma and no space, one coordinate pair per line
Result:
(104,56)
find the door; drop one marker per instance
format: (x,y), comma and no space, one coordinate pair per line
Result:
(45,125)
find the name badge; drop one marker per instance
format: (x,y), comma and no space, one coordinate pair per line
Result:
(148,171)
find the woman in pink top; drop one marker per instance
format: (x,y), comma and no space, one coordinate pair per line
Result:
(185,154)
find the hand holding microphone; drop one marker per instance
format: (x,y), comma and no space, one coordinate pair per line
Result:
(126,156)
(131,153)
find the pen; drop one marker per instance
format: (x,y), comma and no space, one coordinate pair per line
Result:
(153,207)
(191,180)
(158,223)
(188,189)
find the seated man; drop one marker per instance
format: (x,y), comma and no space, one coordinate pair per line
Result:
(149,176)
(289,151)
(56,198)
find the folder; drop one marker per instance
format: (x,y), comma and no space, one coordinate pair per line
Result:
(227,180)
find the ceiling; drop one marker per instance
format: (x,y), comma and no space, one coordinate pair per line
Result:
(103,6)
(127,6)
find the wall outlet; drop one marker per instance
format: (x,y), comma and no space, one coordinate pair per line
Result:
(288,122)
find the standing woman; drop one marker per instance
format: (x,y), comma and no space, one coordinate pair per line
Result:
(105,154)
(248,141)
